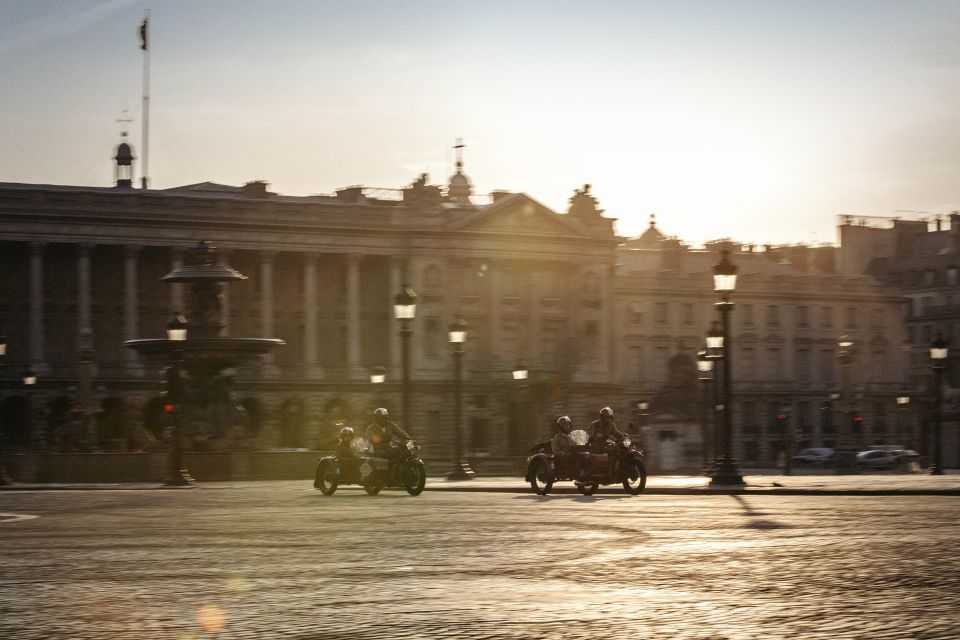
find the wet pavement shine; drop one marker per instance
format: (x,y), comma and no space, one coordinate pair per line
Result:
(280,560)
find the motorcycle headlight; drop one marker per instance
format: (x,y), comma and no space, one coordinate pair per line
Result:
(627,442)
(411,446)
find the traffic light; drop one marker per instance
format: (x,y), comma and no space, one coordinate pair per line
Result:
(856,424)
(171,388)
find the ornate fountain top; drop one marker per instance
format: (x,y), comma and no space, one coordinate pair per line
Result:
(203,267)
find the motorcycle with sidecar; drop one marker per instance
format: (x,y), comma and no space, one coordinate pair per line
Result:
(589,463)
(393,465)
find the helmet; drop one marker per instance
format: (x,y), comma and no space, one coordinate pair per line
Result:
(606,412)
(381,412)
(564,423)
(346,432)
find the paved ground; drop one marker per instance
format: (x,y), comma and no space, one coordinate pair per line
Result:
(280,560)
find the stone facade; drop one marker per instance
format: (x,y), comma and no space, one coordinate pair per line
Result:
(598,320)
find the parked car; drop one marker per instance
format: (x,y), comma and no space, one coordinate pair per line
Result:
(877,459)
(813,457)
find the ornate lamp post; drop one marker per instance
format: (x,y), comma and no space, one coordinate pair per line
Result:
(177,474)
(643,410)
(726,472)
(846,436)
(938,355)
(705,371)
(405,310)
(903,403)
(457,336)
(520,376)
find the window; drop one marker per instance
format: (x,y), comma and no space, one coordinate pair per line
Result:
(775,363)
(636,364)
(877,319)
(803,365)
(826,366)
(803,316)
(687,310)
(433,337)
(433,279)
(549,336)
(750,425)
(746,312)
(952,276)
(802,417)
(773,315)
(660,312)
(749,363)
(851,317)
(662,357)
(826,317)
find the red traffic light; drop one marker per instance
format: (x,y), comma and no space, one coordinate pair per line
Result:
(858,419)
(781,417)
(168,408)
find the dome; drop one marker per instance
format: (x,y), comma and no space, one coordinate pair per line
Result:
(124,154)
(459,188)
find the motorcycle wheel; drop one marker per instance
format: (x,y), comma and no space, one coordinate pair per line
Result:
(634,477)
(414,478)
(326,478)
(541,480)
(589,489)
(372,489)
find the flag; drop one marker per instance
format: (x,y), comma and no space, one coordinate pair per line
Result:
(143,34)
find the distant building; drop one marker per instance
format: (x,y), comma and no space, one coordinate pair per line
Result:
(920,261)
(791,306)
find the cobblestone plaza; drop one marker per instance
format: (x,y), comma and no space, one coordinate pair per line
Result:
(279,560)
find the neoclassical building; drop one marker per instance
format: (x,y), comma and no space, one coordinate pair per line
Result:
(595,318)
(83,265)
(792,305)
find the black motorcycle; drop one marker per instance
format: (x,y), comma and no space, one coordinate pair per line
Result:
(396,465)
(589,465)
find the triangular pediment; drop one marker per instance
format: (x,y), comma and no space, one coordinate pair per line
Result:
(519,213)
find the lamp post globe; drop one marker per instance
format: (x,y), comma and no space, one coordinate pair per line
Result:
(725,471)
(177,327)
(457,336)
(938,358)
(520,372)
(378,375)
(405,310)
(29,377)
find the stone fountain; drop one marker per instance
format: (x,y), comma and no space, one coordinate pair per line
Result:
(195,365)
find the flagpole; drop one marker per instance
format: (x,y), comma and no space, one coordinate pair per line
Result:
(146,99)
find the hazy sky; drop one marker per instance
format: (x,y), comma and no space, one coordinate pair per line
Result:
(755,120)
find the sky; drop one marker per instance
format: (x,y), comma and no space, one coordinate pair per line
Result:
(760,121)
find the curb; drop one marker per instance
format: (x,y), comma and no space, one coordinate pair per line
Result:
(678,491)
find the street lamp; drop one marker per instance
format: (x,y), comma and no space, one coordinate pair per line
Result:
(29,377)
(177,473)
(520,372)
(405,310)
(846,436)
(520,376)
(725,471)
(378,375)
(938,355)
(705,371)
(903,403)
(177,327)
(457,336)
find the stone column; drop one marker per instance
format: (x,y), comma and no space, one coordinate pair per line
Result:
(176,288)
(131,305)
(223,258)
(311,361)
(607,345)
(83,288)
(532,355)
(266,308)
(493,311)
(394,366)
(37,351)
(354,369)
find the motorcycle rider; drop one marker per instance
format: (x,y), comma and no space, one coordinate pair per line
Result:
(561,443)
(605,429)
(346,456)
(382,431)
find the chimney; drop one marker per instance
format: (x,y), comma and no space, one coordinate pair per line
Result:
(256,189)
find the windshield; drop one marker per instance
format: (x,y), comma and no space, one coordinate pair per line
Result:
(579,436)
(359,445)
